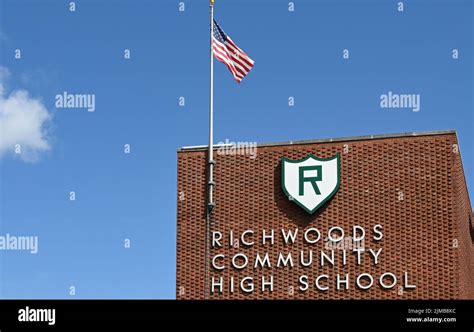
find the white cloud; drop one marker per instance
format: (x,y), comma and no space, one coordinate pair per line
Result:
(23,121)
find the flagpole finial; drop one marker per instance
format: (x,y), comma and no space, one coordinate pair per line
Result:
(212,2)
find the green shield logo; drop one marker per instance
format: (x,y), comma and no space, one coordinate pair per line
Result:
(310,182)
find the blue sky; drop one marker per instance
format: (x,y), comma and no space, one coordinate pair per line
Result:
(297,54)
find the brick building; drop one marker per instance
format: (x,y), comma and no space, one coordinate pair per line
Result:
(406,193)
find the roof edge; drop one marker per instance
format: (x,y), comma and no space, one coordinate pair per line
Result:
(331,140)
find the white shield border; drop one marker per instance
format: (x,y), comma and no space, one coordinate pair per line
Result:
(284,159)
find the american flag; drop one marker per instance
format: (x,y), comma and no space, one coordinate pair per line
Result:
(227,52)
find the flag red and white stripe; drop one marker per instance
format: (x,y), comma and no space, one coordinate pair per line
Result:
(225,50)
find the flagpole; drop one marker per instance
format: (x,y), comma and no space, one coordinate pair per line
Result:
(210,162)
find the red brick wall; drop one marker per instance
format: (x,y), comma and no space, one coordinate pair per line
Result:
(418,230)
(464,237)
